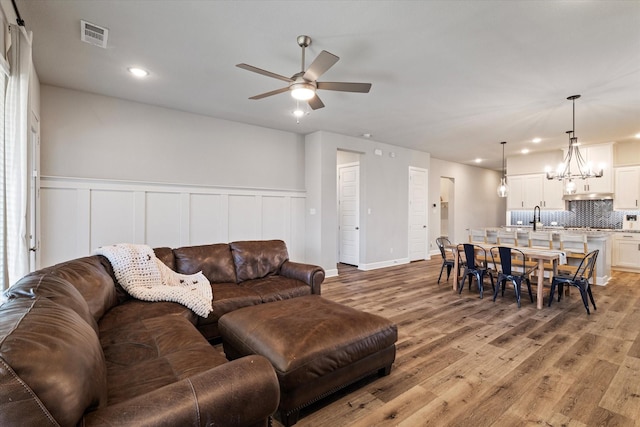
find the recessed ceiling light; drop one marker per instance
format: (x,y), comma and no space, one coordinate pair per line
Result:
(536,140)
(525,151)
(638,135)
(478,160)
(138,72)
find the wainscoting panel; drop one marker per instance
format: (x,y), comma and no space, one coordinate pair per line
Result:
(163,220)
(275,217)
(244,217)
(298,211)
(79,215)
(112,217)
(208,218)
(59,223)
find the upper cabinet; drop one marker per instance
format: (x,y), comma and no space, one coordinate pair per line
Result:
(627,188)
(598,155)
(552,190)
(528,191)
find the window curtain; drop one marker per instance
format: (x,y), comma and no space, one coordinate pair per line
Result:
(14,261)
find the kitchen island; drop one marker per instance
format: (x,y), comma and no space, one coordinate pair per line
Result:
(596,239)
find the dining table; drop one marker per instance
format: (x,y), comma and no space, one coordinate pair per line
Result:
(539,255)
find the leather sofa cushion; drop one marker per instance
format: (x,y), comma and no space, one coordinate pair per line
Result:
(226,297)
(147,354)
(166,256)
(135,310)
(214,261)
(54,288)
(91,277)
(276,288)
(38,334)
(257,259)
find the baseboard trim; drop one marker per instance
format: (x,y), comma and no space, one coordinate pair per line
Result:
(383,264)
(331,273)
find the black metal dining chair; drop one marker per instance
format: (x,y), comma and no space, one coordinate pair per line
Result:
(474,266)
(514,268)
(579,279)
(448,256)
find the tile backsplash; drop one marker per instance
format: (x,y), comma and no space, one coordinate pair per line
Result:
(581,213)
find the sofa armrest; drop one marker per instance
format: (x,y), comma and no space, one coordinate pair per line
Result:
(239,393)
(312,275)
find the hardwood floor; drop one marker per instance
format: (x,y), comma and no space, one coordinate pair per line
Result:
(466,361)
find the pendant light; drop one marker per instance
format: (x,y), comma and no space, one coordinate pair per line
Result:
(503,188)
(585,170)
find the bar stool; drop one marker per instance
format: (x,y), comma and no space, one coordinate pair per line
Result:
(507,237)
(477,235)
(576,247)
(542,240)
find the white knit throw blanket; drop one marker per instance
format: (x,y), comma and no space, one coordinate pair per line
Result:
(147,278)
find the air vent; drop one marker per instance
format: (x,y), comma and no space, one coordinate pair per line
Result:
(93,34)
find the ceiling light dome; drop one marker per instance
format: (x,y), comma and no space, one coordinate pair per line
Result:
(303,91)
(138,72)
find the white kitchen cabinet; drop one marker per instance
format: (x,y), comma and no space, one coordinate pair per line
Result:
(627,188)
(626,250)
(515,198)
(528,191)
(552,190)
(597,155)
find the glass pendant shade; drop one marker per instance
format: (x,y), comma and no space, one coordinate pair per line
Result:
(503,188)
(570,187)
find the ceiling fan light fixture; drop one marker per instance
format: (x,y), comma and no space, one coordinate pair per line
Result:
(303,91)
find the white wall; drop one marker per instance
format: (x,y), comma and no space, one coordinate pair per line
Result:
(92,136)
(119,171)
(475,204)
(383,192)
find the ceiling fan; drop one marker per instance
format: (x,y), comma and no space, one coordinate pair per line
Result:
(303,85)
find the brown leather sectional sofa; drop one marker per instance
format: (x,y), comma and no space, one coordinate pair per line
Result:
(76,349)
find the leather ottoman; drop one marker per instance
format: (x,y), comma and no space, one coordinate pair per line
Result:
(315,345)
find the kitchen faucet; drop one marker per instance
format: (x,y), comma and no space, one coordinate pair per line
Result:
(536,221)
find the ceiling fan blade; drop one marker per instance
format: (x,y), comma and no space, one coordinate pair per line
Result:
(273,92)
(263,72)
(315,103)
(345,87)
(320,65)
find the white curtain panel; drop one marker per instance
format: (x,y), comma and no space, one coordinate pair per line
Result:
(15,263)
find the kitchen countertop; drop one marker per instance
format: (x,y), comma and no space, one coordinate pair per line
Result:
(570,229)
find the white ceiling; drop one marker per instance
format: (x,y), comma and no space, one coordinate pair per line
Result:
(453,78)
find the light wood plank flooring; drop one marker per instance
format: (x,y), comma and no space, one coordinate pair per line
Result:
(466,361)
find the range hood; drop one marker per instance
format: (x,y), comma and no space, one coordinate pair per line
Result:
(588,196)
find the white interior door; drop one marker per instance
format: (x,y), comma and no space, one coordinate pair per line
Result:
(349,213)
(418,241)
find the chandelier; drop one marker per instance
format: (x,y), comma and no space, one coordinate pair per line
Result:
(574,158)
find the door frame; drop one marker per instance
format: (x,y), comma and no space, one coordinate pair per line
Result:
(338,170)
(426,254)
